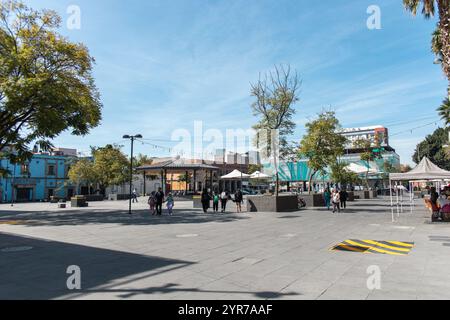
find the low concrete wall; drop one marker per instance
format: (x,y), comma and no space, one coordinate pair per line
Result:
(362,195)
(351,196)
(95,198)
(313,200)
(272,203)
(373,194)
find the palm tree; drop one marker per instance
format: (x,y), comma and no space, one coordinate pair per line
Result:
(444,111)
(441,37)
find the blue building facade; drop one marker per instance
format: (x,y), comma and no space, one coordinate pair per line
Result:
(39,179)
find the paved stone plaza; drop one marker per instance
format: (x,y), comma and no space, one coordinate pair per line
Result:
(196,256)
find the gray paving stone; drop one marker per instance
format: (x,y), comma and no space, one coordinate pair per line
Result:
(246,256)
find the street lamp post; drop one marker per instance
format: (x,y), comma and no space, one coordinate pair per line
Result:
(132,138)
(12,184)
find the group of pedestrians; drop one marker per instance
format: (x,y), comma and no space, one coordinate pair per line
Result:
(222,199)
(336,199)
(156,201)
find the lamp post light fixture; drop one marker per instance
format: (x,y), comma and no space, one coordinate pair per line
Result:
(132,138)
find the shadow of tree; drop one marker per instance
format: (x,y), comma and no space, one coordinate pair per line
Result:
(41,272)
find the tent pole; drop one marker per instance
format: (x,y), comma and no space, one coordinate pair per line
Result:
(392,200)
(411,196)
(401,199)
(398,199)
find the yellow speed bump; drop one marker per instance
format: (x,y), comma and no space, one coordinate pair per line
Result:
(378,247)
(10,222)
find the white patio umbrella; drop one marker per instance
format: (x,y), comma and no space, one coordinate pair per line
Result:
(236,174)
(259,175)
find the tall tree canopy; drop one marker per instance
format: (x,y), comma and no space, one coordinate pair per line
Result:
(46,83)
(433,147)
(440,39)
(276,94)
(323,144)
(109,167)
(367,154)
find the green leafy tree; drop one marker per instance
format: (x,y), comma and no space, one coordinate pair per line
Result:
(444,111)
(440,39)
(434,148)
(367,153)
(108,167)
(142,160)
(323,144)
(252,168)
(276,95)
(46,83)
(111,167)
(82,173)
(388,168)
(340,174)
(404,168)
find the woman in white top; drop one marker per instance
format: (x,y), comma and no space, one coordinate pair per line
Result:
(336,199)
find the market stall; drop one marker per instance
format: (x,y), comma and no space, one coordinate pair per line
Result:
(424,171)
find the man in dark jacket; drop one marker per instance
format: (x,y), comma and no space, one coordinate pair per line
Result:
(344,197)
(206,200)
(238,198)
(159,197)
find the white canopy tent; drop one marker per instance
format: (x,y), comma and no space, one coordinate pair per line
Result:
(235,175)
(259,175)
(425,171)
(359,169)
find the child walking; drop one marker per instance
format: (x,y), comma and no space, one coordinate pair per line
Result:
(152,203)
(170,203)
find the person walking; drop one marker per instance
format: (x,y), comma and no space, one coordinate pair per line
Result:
(327,198)
(206,200)
(343,198)
(159,197)
(216,200)
(238,198)
(170,204)
(134,195)
(152,203)
(224,199)
(434,197)
(336,199)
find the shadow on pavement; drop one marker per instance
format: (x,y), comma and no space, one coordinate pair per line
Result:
(139,217)
(173,288)
(40,273)
(445,240)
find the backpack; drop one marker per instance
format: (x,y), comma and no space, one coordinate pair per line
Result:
(216,199)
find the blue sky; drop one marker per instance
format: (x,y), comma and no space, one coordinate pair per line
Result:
(161,65)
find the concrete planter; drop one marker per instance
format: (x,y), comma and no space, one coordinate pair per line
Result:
(78,202)
(272,203)
(118,197)
(351,196)
(363,195)
(95,198)
(314,200)
(373,194)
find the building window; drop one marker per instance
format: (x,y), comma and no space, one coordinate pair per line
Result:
(51,170)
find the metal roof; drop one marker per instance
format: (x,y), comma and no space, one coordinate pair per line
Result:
(178,164)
